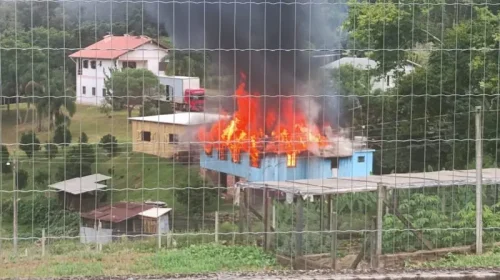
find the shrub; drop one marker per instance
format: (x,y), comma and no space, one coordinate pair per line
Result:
(62,136)
(84,138)
(29,143)
(51,150)
(4,159)
(110,144)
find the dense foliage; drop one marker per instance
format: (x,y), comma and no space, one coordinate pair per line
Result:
(29,143)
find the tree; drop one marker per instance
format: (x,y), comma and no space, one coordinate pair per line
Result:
(4,159)
(84,138)
(130,87)
(22,179)
(196,194)
(62,136)
(188,63)
(110,144)
(41,178)
(152,108)
(29,143)
(78,162)
(51,150)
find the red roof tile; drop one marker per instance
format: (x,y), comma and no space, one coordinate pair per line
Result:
(112,47)
(117,212)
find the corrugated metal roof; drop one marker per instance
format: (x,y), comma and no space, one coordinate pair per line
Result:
(81,184)
(186,118)
(117,212)
(155,212)
(112,47)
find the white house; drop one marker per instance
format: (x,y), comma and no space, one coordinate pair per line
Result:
(95,61)
(383,82)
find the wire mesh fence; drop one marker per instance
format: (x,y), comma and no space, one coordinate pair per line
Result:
(250,134)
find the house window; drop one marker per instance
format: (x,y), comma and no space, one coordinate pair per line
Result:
(291,160)
(146,136)
(129,64)
(84,90)
(388,80)
(173,139)
(93,91)
(85,64)
(361,159)
(168,92)
(79,67)
(104,93)
(93,64)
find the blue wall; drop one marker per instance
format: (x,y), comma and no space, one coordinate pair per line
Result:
(272,167)
(354,166)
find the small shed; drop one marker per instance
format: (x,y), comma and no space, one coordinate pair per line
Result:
(82,193)
(109,222)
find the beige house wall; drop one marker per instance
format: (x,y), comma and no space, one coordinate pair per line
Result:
(159,144)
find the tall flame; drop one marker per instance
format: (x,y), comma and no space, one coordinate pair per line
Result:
(257,129)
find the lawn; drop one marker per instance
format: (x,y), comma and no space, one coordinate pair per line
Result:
(87,119)
(70,259)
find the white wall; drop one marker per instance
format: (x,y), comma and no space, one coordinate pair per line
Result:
(149,53)
(92,78)
(90,235)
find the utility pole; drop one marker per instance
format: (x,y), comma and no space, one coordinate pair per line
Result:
(14,206)
(479,181)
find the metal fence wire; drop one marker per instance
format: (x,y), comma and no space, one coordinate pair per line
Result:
(319,133)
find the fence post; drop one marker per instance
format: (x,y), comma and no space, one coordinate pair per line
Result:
(333,230)
(479,181)
(300,225)
(381,191)
(158,231)
(216,226)
(43,242)
(99,245)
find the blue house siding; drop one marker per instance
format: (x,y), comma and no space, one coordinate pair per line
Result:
(272,167)
(360,164)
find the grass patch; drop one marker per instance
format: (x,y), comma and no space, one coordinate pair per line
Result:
(491,259)
(129,260)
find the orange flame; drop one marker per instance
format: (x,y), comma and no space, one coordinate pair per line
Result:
(255,130)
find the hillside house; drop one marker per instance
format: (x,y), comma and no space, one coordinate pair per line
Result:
(170,134)
(106,223)
(113,52)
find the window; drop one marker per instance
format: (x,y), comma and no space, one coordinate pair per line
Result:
(79,67)
(173,139)
(146,136)
(361,159)
(93,91)
(104,92)
(197,97)
(168,92)
(388,80)
(291,160)
(334,163)
(93,64)
(84,90)
(129,64)
(85,64)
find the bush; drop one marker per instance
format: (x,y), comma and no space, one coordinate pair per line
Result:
(62,136)
(22,179)
(29,143)
(79,162)
(41,178)
(110,144)
(84,138)
(51,150)
(196,194)
(4,159)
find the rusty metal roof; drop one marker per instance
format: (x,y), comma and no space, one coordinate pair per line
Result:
(117,212)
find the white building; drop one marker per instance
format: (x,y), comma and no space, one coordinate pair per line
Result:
(382,82)
(113,52)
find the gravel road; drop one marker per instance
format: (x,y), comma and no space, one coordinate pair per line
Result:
(486,273)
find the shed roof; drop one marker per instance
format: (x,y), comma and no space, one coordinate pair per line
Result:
(155,212)
(357,62)
(112,47)
(185,118)
(369,183)
(117,212)
(81,184)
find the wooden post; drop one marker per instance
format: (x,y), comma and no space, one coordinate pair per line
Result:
(300,225)
(479,181)
(333,230)
(241,224)
(274,217)
(43,242)
(381,191)
(330,210)
(99,245)
(267,228)
(216,226)
(158,231)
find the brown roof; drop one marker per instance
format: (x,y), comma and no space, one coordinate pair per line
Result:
(117,212)
(112,47)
